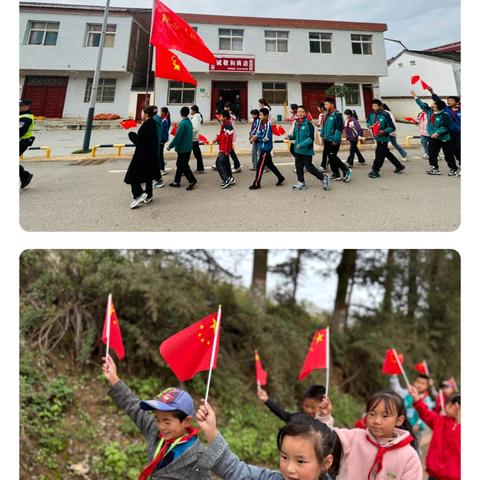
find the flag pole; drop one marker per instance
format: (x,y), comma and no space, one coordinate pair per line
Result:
(214,349)
(401,368)
(258,383)
(426,368)
(442,402)
(328,362)
(109,321)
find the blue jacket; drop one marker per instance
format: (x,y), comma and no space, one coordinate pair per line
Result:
(437,122)
(386,124)
(333,127)
(254,127)
(265,137)
(163,127)
(304,136)
(455,115)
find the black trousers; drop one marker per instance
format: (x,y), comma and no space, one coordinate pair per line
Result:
(434,147)
(335,163)
(324,157)
(137,188)
(381,152)
(223,166)
(265,161)
(24,144)
(292,149)
(161,162)
(183,168)
(305,162)
(354,151)
(456,139)
(236,161)
(197,153)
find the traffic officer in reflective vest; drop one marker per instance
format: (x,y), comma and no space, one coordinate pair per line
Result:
(27,123)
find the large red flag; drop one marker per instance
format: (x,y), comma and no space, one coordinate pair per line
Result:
(172,32)
(111,330)
(317,355)
(390,365)
(190,350)
(261,373)
(168,65)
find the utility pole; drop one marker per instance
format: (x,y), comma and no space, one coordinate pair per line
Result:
(96,79)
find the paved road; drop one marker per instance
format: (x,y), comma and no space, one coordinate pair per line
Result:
(68,197)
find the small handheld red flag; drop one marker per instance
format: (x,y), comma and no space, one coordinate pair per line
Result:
(390,365)
(174,129)
(168,65)
(414,79)
(375,128)
(203,139)
(278,130)
(261,373)
(112,336)
(172,32)
(422,368)
(190,350)
(425,86)
(127,124)
(410,120)
(317,355)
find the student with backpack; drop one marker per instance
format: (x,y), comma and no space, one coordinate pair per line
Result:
(353,132)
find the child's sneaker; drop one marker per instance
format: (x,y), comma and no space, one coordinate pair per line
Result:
(254,187)
(425,156)
(336,177)
(214,168)
(148,200)
(433,171)
(237,170)
(453,173)
(400,169)
(158,184)
(326,182)
(163,172)
(280,182)
(374,174)
(347,178)
(137,201)
(299,186)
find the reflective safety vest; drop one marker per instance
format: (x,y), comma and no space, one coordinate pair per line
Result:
(29,132)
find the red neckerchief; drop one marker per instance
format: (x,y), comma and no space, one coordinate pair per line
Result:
(149,469)
(300,120)
(432,117)
(381,452)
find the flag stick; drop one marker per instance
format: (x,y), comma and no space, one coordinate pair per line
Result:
(401,368)
(328,362)
(442,402)
(109,320)
(426,368)
(214,349)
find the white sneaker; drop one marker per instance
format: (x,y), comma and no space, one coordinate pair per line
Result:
(159,184)
(237,170)
(163,172)
(137,201)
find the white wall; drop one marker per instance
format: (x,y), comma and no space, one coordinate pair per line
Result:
(439,74)
(70,53)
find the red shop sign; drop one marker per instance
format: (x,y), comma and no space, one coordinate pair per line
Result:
(234,64)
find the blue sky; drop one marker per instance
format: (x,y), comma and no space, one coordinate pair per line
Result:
(419,25)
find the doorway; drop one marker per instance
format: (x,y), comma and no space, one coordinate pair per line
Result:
(228,91)
(313,94)
(367,99)
(47,95)
(142,101)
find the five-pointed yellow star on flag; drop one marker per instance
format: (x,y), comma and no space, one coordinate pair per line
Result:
(319,338)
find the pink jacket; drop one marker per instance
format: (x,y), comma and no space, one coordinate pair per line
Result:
(359,456)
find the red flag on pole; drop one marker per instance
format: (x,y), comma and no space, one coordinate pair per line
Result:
(168,65)
(127,124)
(414,79)
(261,373)
(422,368)
(390,365)
(172,32)
(190,350)
(425,86)
(203,139)
(278,130)
(410,120)
(174,129)
(317,355)
(375,128)
(112,336)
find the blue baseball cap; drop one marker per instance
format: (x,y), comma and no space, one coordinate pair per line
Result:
(170,399)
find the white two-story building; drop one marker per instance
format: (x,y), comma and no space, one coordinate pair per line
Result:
(282,60)
(58,54)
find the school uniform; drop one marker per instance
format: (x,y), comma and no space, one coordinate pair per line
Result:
(225,140)
(455,128)
(183,143)
(253,131)
(332,138)
(265,145)
(197,121)
(422,121)
(163,123)
(236,161)
(353,131)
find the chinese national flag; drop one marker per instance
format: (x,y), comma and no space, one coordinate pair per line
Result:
(168,65)
(190,350)
(171,32)
(375,128)
(317,356)
(414,79)
(116,342)
(174,129)
(278,130)
(390,365)
(422,368)
(261,373)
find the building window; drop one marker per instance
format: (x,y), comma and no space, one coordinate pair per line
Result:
(320,42)
(230,40)
(43,33)
(276,41)
(362,44)
(400,65)
(94,32)
(180,93)
(106,90)
(275,93)
(413,63)
(353,98)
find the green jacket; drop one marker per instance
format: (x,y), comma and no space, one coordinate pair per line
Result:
(386,124)
(304,136)
(183,139)
(437,122)
(333,127)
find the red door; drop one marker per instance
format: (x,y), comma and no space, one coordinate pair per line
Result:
(367,99)
(230,89)
(313,94)
(141,103)
(47,95)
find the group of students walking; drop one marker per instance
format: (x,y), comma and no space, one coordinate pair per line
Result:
(439,123)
